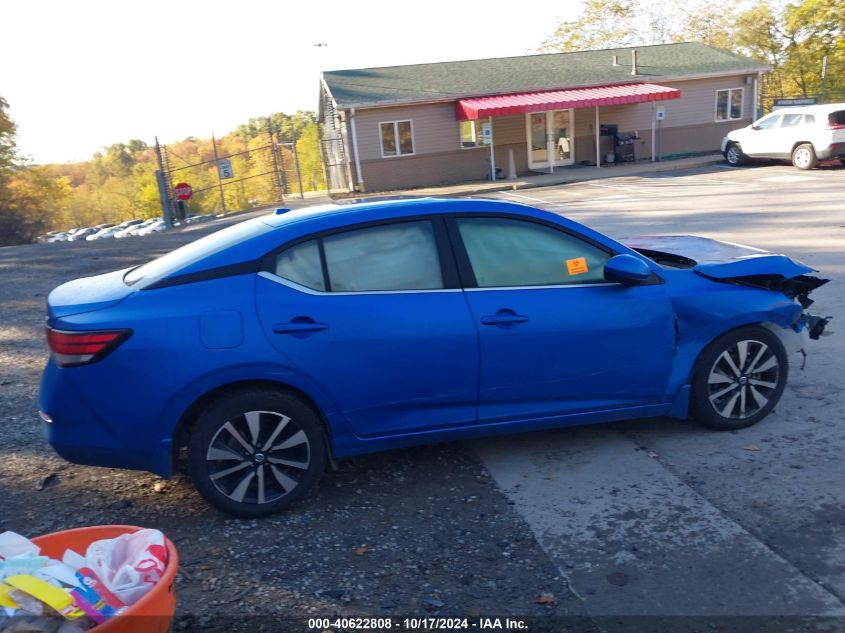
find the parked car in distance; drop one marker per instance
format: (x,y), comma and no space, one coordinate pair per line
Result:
(153,227)
(134,230)
(58,237)
(103,233)
(82,234)
(803,134)
(278,344)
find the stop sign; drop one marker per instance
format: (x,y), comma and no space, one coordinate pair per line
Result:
(183,191)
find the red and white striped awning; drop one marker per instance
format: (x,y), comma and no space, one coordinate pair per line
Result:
(503,105)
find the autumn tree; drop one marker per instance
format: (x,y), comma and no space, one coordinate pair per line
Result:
(602,24)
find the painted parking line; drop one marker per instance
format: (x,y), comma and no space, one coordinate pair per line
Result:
(531,198)
(631,188)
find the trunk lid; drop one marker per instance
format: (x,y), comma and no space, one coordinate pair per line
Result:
(87,294)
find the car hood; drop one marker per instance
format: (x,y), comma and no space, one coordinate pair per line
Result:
(87,294)
(726,261)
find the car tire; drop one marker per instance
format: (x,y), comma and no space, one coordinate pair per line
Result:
(734,155)
(738,379)
(254,452)
(804,156)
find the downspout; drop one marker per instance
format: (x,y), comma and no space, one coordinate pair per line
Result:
(358,176)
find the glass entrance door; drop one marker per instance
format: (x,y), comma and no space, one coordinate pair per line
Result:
(549,139)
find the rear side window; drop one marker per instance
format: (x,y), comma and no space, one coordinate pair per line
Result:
(401,256)
(505,252)
(836,118)
(301,264)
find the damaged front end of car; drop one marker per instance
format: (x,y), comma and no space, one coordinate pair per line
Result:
(741,265)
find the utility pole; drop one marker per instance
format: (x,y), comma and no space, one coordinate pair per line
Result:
(217,166)
(277,175)
(298,173)
(163,194)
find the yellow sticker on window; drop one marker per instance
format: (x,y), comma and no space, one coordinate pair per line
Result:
(577,266)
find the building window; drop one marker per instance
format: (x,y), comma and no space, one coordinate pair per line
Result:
(729,104)
(397,138)
(471,133)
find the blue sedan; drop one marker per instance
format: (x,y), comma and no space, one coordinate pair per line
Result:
(277,345)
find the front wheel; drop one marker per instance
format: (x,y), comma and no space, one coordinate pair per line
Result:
(734,155)
(804,157)
(738,379)
(254,452)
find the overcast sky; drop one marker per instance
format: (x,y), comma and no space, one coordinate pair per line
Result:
(84,74)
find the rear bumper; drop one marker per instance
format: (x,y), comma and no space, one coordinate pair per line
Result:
(836,150)
(78,435)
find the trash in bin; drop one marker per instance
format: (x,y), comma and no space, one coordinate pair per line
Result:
(73,581)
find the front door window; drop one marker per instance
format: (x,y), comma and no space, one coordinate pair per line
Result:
(550,139)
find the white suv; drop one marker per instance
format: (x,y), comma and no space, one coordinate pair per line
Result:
(803,134)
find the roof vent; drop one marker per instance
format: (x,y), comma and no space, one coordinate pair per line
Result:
(616,60)
(634,61)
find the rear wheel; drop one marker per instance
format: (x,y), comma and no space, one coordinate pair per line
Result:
(255,452)
(734,155)
(804,157)
(738,379)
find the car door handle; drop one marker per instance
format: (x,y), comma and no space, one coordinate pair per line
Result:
(297,325)
(503,318)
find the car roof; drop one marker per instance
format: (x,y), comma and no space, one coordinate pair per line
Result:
(819,108)
(363,210)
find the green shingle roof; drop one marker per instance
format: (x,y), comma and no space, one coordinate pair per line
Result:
(445,80)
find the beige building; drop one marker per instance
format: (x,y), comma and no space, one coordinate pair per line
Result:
(412,126)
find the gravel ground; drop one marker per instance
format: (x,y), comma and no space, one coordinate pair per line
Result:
(416,532)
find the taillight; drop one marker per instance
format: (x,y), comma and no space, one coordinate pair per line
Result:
(81,348)
(835,126)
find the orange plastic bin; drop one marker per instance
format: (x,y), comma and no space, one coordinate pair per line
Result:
(152,613)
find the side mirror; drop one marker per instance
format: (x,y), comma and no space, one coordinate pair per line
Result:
(754,127)
(626,269)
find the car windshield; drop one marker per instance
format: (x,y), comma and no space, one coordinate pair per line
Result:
(173,261)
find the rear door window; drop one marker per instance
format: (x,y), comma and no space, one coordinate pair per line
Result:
(791,120)
(400,256)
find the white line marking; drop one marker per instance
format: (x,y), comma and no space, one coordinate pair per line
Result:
(637,189)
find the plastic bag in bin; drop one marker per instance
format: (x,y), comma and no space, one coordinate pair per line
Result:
(129,565)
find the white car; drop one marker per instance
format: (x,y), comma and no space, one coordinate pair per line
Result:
(155,227)
(803,134)
(103,233)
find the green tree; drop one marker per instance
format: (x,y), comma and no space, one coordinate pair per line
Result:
(602,24)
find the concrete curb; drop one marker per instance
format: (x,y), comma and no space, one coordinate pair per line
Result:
(546,180)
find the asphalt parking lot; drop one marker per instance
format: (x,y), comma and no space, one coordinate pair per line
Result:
(647,518)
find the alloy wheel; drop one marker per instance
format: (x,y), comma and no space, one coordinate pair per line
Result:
(802,157)
(734,155)
(258,457)
(743,379)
